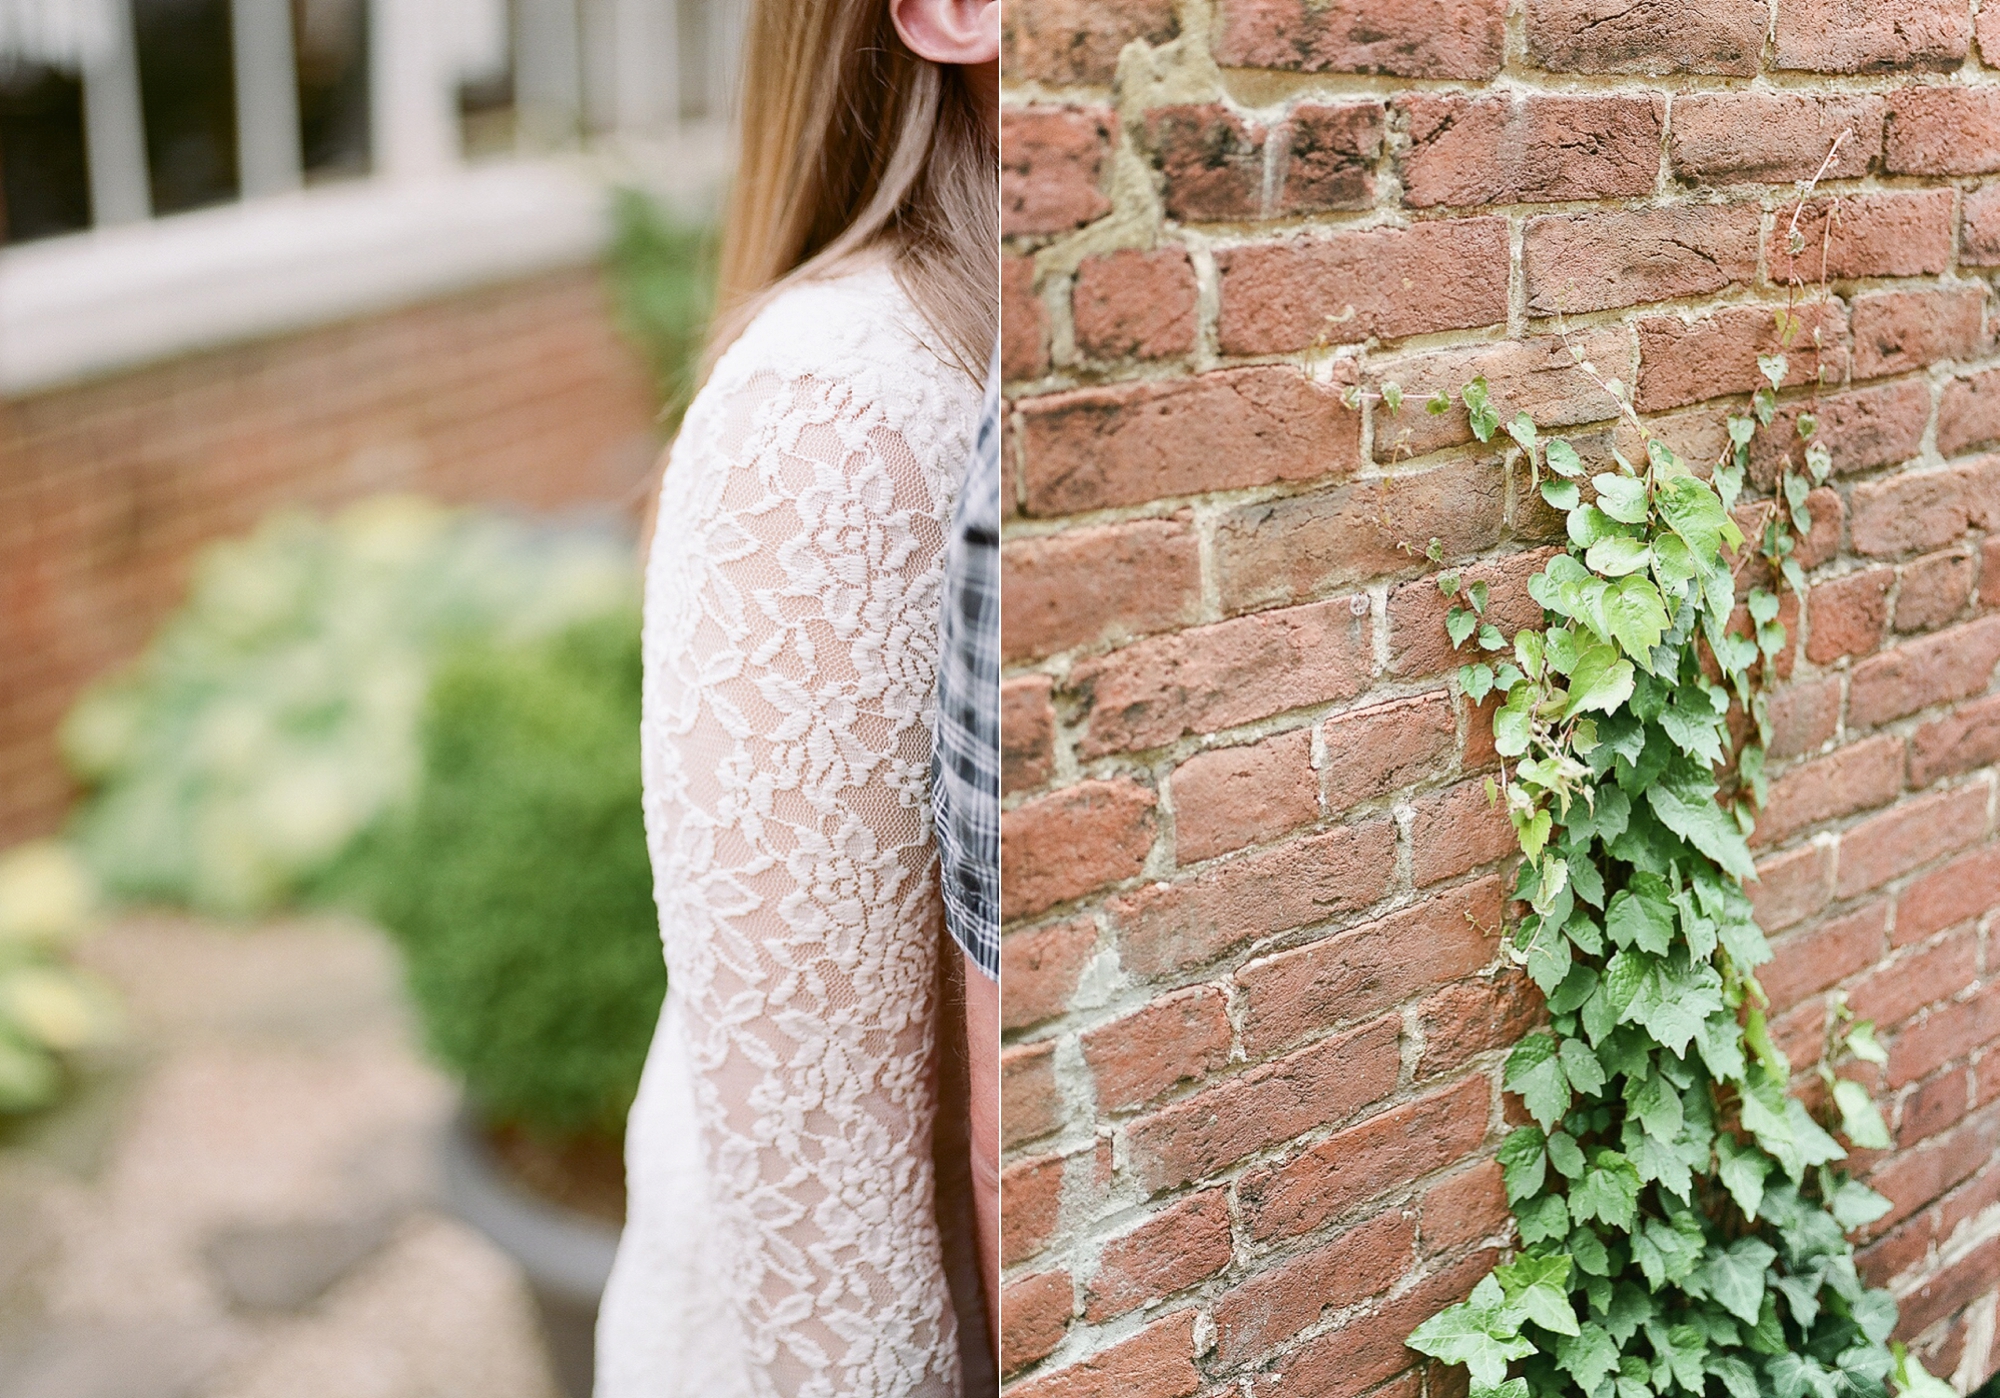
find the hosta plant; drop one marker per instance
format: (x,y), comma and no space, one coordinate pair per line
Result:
(1682,1216)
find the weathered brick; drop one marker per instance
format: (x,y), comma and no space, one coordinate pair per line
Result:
(1128,443)
(1325,156)
(1966,888)
(1067,43)
(1179,1036)
(1722,138)
(1070,842)
(1539,377)
(1476,1016)
(1979,236)
(1917,1177)
(1934,1106)
(1915,977)
(1214,677)
(1175,1248)
(1164,927)
(1030,1206)
(1848,615)
(1946,1034)
(1027,733)
(1038,1310)
(1464,1208)
(1899,330)
(1965,1280)
(1986,28)
(1804,717)
(1353,1166)
(1943,131)
(1823,544)
(1266,1310)
(1913,510)
(1051,167)
(1227,798)
(1367,969)
(1954,664)
(1790,887)
(1849,779)
(1030,1098)
(1457,830)
(1024,322)
(1132,304)
(1872,36)
(1657,37)
(1625,257)
(1890,845)
(1040,969)
(1385,747)
(1418,643)
(1305,546)
(1817,958)
(1353,285)
(1876,425)
(1414,39)
(1899,233)
(1087,587)
(1969,412)
(1210,159)
(1967,738)
(1934,589)
(1514,148)
(1327,1082)
(1158,1362)
(1683,363)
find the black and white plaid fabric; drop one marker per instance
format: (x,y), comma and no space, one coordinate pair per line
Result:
(965,763)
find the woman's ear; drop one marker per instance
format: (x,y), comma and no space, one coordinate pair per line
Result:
(965,33)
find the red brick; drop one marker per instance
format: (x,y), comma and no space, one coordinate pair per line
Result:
(1848,615)
(1537,376)
(1954,664)
(1030,1099)
(1790,887)
(1024,322)
(1879,36)
(1476,1016)
(1211,162)
(1901,233)
(1879,425)
(1652,36)
(1456,830)
(1515,148)
(1136,305)
(1368,969)
(1086,587)
(1349,1360)
(1304,546)
(1914,833)
(1030,1202)
(1179,1036)
(1175,1248)
(1916,977)
(1039,970)
(1158,1362)
(1327,1082)
(1722,138)
(1979,240)
(1352,285)
(1418,643)
(1128,443)
(1070,842)
(1326,157)
(1934,1106)
(1227,798)
(1969,412)
(1264,1311)
(1413,39)
(1849,779)
(1915,510)
(1986,28)
(1829,515)
(1051,165)
(1943,131)
(1817,958)
(1215,677)
(1385,747)
(1965,739)
(1027,733)
(1934,589)
(1945,1035)
(1899,330)
(1068,43)
(1164,927)
(1467,1207)
(1601,261)
(1683,363)
(1967,1279)
(1966,888)
(1804,717)
(1038,1310)
(1989,573)
(1348,1169)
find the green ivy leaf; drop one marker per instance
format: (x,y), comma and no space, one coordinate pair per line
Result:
(1621,497)
(1562,458)
(1742,1171)
(1636,616)
(1459,624)
(1859,1118)
(1581,1067)
(1542,1219)
(1561,495)
(1478,1333)
(1734,1277)
(1657,1105)
(1535,1075)
(1668,1251)
(1590,1356)
(1687,807)
(1736,1376)
(1537,1289)
(1855,1205)
(1608,1192)
(1634,919)
(1616,556)
(1600,680)
(1696,513)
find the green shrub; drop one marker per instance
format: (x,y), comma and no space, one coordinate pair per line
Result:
(519,884)
(662,277)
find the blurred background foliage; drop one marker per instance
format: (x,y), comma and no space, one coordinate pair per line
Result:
(661,270)
(48,1008)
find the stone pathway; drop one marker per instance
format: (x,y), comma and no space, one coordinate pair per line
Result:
(241,1201)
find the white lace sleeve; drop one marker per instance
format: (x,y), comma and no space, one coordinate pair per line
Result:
(792,613)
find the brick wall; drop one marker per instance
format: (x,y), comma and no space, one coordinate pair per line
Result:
(521,394)
(1253,992)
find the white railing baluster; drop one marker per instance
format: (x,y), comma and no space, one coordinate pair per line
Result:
(547,72)
(413,100)
(267,98)
(114,126)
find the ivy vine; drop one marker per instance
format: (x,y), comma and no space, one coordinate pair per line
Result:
(1682,1217)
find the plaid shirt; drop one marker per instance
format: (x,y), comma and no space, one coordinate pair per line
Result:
(965,762)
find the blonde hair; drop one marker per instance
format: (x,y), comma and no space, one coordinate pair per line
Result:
(850,142)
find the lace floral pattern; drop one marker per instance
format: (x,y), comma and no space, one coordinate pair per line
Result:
(781,1238)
